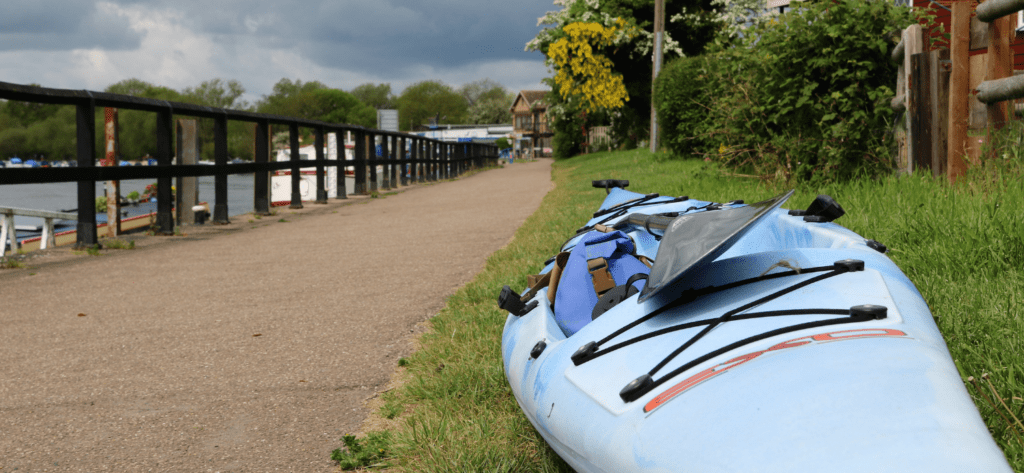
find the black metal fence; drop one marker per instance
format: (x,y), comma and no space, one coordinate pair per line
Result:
(402,155)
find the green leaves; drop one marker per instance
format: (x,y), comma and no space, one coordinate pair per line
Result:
(803,96)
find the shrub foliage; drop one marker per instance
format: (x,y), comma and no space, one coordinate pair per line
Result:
(805,95)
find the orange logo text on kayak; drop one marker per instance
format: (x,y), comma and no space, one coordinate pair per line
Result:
(739,360)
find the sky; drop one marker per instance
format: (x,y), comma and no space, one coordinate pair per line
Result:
(89,44)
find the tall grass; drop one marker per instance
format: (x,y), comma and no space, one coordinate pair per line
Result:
(963,246)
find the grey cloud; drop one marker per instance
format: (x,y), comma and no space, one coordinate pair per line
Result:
(385,36)
(54,25)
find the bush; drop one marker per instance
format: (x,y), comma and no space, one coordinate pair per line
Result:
(683,98)
(806,96)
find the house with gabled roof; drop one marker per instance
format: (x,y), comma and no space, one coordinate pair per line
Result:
(530,131)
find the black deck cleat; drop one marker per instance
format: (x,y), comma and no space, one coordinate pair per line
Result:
(877,312)
(849,265)
(584,353)
(508,300)
(538,349)
(823,209)
(608,184)
(636,388)
(874,245)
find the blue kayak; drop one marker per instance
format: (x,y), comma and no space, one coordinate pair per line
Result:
(673,334)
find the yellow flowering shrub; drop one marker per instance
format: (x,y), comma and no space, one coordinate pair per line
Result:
(583,73)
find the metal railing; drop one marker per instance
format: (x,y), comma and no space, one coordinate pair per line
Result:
(403,155)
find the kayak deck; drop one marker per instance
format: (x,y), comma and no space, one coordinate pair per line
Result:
(801,393)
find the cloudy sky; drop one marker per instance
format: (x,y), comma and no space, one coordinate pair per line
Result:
(89,44)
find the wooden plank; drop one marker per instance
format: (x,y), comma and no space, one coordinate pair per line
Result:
(1000,65)
(959,87)
(978,118)
(920,108)
(939,69)
(913,44)
(979,34)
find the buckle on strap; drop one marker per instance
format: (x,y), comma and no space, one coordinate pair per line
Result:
(600,276)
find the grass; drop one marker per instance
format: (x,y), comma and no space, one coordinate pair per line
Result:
(118,244)
(8,263)
(962,246)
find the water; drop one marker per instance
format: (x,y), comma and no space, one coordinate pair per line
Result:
(61,196)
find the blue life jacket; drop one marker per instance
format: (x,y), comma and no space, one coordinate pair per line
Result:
(598,263)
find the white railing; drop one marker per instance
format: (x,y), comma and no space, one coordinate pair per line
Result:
(9,233)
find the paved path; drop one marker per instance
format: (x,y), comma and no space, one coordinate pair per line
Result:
(237,348)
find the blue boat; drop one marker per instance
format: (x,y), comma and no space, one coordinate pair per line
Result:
(749,339)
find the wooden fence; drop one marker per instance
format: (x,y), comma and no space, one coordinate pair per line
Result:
(953,98)
(402,155)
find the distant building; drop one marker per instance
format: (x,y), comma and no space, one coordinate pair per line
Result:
(464,133)
(531,134)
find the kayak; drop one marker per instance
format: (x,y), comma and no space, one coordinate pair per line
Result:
(674,334)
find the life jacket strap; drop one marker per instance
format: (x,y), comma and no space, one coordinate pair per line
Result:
(600,276)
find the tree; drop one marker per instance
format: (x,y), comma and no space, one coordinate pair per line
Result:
(335,106)
(136,128)
(584,74)
(216,93)
(423,100)
(378,96)
(280,102)
(488,101)
(693,25)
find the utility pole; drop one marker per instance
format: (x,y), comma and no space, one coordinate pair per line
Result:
(659,33)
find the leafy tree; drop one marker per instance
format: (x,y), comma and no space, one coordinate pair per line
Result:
(488,101)
(281,102)
(136,128)
(335,106)
(693,25)
(423,100)
(378,96)
(216,93)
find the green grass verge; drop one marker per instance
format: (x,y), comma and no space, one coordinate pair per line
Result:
(963,247)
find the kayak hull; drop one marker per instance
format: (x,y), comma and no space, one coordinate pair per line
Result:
(881,395)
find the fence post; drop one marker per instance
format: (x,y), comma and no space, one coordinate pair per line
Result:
(220,180)
(432,153)
(341,155)
(360,154)
(1000,65)
(393,158)
(187,195)
(112,148)
(920,110)
(85,129)
(385,154)
(403,158)
(296,177)
(318,143)
(912,38)
(938,74)
(164,151)
(261,178)
(959,83)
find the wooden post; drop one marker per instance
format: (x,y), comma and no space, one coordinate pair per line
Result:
(187,195)
(220,181)
(261,179)
(920,111)
(321,187)
(958,88)
(938,72)
(113,149)
(296,177)
(1000,65)
(913,44)
(85,144)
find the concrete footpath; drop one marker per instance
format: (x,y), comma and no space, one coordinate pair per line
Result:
(246,347)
